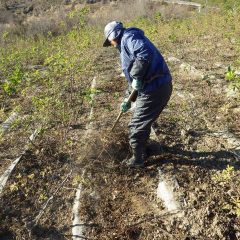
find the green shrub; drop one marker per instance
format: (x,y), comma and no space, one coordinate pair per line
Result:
(11,85)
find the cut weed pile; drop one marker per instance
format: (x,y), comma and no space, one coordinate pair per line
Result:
(48,81)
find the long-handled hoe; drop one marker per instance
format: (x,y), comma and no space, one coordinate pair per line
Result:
(131,98)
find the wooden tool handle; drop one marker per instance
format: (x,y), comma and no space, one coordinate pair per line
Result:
(131,96)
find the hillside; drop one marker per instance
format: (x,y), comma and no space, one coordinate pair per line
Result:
(61,172)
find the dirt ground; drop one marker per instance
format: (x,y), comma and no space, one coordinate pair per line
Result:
(122,204)
(118,203)
(34,180)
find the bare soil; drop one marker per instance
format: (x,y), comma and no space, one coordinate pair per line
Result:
(121,204)
(118,203)
(34,180)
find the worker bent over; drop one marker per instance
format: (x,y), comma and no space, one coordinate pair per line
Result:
(147,72)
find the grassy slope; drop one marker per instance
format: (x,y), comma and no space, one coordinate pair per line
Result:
(57,96)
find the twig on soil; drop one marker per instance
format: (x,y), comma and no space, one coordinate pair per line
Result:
(202,237)
(149,218)
(33,144)
(172,236)
(68,188)
(32,138)
(37,218)
(235,155)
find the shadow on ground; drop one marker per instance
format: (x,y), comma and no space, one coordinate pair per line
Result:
(209,160)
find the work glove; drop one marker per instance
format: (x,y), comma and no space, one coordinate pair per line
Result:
(125,106)
(137,84)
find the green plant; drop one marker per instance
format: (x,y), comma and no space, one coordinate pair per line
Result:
(224,176)
(233,206)
(5,35)
(14,80)
(229,177)
(80,15)
(230,74)
(233,78)
(89,94)
(158,16)
(76,180)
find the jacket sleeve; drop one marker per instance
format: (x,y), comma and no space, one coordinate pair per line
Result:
(139,69)
(141,53)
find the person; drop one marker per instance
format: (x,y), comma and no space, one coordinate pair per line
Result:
(147,72)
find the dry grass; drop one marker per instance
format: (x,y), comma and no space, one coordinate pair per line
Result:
(45,24)
(123,11)
(53,23)
(129,10)
(55,20)
(5,16)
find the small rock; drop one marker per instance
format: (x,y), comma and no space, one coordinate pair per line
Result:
(183,133)
(66,2)
(168,228)
(27,10)
(94,195)
(174,60)
(204,186)
(232,93)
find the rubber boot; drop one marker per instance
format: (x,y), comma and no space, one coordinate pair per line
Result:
(136,161)
(145,154)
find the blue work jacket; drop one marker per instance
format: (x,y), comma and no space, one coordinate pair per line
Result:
(141,60)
